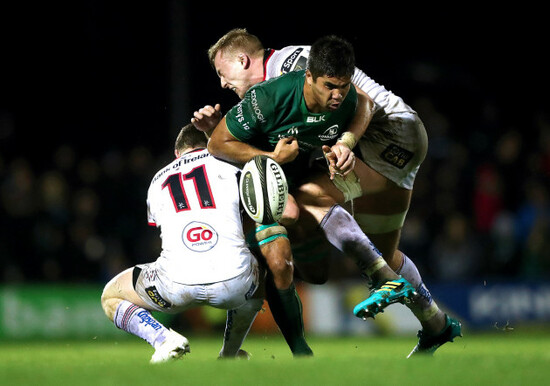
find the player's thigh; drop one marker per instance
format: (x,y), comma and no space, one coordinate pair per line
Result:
(315,198)
(121,287)
(370,180)
(319,191)
(159,292)
(233,293)
(392,200)
(118,289)
(395,148)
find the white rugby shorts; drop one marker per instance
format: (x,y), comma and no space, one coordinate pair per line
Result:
(395,147)
(154,287)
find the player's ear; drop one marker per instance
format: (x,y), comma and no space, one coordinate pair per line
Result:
(244,60)
(309,78)
(177,153)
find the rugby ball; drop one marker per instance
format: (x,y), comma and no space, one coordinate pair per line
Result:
(263,189)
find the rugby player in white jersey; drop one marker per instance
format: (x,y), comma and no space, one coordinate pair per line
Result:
(392,149)
(205,259)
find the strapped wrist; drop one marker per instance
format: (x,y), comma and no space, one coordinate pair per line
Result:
(348,139)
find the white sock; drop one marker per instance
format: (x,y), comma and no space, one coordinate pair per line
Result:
(342,231)
(237,326)
(424,307)
(138,321)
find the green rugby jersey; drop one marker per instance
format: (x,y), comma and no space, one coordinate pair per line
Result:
(276,108)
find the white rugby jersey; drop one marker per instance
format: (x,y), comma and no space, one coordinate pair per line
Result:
(292,58)
(195,202)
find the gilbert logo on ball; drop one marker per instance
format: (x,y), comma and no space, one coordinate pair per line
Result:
(263,189)
(199,237)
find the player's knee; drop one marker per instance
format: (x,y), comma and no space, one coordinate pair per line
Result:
(109,303)
(380,223)
(281,268)
(275,248)
(109,306)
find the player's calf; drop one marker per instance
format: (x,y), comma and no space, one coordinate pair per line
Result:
(344,233)
(138,321)
(284,301)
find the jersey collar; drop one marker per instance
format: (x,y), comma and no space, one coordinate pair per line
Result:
(192,151)
(268,52)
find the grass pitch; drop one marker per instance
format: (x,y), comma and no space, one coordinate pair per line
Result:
(512,358)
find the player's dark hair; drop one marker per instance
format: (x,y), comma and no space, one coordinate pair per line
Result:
(331,56)
(190,137)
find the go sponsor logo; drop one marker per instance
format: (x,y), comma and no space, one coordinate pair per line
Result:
(199,237)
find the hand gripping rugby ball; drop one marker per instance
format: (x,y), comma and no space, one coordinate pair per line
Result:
(263,189)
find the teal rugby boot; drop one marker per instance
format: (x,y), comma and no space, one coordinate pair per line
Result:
(392,291)
(427,344)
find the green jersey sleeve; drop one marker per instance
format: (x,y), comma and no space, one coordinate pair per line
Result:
(246,120)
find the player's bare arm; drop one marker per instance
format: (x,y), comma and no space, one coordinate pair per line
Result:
(340,156)
(224,145)
(207,118)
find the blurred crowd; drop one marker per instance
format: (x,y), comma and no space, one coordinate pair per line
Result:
(77,219)
(480,208)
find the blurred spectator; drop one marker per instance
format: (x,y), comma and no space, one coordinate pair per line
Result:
(455,253)
(19,202)
(533,230)
(507,155)
(487,197)
(501,253)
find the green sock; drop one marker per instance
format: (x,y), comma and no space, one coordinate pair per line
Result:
(286,308)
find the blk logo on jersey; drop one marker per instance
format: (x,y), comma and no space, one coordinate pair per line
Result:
(199,237)
(315,119)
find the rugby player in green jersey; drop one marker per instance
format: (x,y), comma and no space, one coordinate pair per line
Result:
(290,117)
(391,152)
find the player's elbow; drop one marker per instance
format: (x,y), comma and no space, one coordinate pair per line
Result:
(212,147)
(216,146)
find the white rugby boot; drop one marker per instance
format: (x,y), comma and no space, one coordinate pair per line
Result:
(175,346)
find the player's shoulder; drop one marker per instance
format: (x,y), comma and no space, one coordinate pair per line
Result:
(223,166)
(280,84)
(163,172)
(196,158)
(267,96)
(287,59)
(193,156)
